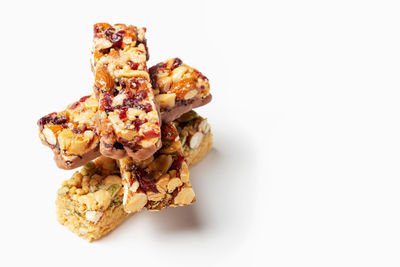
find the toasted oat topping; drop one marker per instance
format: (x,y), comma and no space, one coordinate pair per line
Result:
(94,189)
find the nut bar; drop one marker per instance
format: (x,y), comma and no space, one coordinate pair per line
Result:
(159,181)
(128,119)
(178,88)
(71,133)
(83,116)
(195,136)
(90,203)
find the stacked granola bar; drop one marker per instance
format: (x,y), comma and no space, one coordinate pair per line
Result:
(139,129)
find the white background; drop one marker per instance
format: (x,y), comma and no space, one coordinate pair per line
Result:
(305,116)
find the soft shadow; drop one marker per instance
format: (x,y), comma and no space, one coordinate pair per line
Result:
(188,217)
(177,219)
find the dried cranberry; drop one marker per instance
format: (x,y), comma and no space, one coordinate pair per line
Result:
(133,103)
(105,50)
(133,65)
(43,121)
(152,133)
(177,164)
(106,101)
(83,99)
(201,76)
(156,68)
(137,123)
(122,83)
(96,31)
(77,130)
(177,63)
(74,105)
(117,38)
(109,32)
(145,184)
(146,107)
(59,120)
(140,95)
(134,83)
(122,115)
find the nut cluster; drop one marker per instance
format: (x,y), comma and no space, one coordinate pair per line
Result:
(177,83)
(160,181)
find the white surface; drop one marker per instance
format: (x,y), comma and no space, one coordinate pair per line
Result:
(305,169)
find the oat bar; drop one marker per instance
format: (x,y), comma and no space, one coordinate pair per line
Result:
(178,88)
(90,203)
(71,133)
(128,119)
(159,181)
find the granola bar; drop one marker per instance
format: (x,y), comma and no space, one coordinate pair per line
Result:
(159,181)
(178,88)
(90,203)
(195,136)
(71,133)
(128,119)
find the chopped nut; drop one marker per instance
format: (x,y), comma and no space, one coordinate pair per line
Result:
(93,216)
(99,200)
(162,183)
(118,100)
(190,94)
(178,73)
(164,84)
(166,100)
(134,187)
(49,135)
(196,139)
(103,79)
(204,126)
(173,184)
(101,43)
(175,146)
(136,203)
(185,173)
(127,134)
(161,164)
(152,196)
(146,162)
(134,113)
(112,179)
(185,196)
(149,142)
